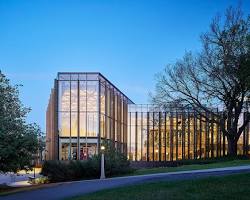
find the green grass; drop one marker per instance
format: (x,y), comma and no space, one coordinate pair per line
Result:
(192,167)
(234,187)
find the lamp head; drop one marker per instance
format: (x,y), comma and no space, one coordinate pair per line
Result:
(102,148)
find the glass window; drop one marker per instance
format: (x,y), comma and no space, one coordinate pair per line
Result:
(83,95)
(103,99)
(92,77)
(102,125)
(74,76)
(83,77)
(74,124)
(64,96)
(92,96)
(74,96)
(64,151)
(82,124)
(92,124)
(64,77)
(64,124)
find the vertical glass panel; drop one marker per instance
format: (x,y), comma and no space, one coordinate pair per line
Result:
(139,134)
(174,138)
(82,124)
(102,126)
(83,95)
(64,151)
(156,136)
(102,96)
(92,124)
(179,136)
(64,96)
(73,151)
(151,138)
(92,96)
(64,124)
(108,102)
(74,95)
(144,136)
(129,138)
(132,136)
(168,136)
(163,141)
(203,139)
(191,143)
(214,139)
(108,132)
(74,124)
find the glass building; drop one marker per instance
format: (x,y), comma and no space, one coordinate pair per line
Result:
(85,109)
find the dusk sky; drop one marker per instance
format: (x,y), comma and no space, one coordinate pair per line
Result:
(127,41)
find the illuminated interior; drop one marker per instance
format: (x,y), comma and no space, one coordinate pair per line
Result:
(90,110)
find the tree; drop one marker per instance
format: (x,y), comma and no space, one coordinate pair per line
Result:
(18,140)
(218,77)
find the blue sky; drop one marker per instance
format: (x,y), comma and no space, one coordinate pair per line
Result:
(127,41)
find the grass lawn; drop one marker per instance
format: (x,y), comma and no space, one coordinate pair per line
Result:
(192,167)
(235,186)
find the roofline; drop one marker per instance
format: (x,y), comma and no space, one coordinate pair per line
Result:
(100,74)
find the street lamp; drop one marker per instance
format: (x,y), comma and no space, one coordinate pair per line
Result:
(156,152)
(102,163)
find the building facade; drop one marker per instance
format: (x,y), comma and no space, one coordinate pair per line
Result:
(85,109)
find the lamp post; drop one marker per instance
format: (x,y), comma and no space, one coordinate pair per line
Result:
(156,152)
(102,163)
(34,166)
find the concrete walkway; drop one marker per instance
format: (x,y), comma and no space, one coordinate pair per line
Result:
(10,179)
(69,189)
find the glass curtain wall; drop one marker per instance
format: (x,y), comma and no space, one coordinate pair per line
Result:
(90,110)
(175,134)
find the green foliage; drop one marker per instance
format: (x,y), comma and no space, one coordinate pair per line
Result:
(18,140)
(115,164)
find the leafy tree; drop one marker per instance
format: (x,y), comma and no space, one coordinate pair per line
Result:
(216,77)
(18,140)
(115,161)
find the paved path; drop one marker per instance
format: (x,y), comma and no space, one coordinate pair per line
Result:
(70,189)
(21,176)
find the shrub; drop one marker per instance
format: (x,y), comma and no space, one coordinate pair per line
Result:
(115,164)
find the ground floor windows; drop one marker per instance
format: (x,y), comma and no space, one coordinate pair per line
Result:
(70,150)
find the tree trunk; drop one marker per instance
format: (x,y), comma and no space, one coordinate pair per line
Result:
(232,147)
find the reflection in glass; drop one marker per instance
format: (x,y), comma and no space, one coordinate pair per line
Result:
(74,124)
(64,95)
(92,125)
(64,124)
(83,95)
(74,96)
(92,96)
